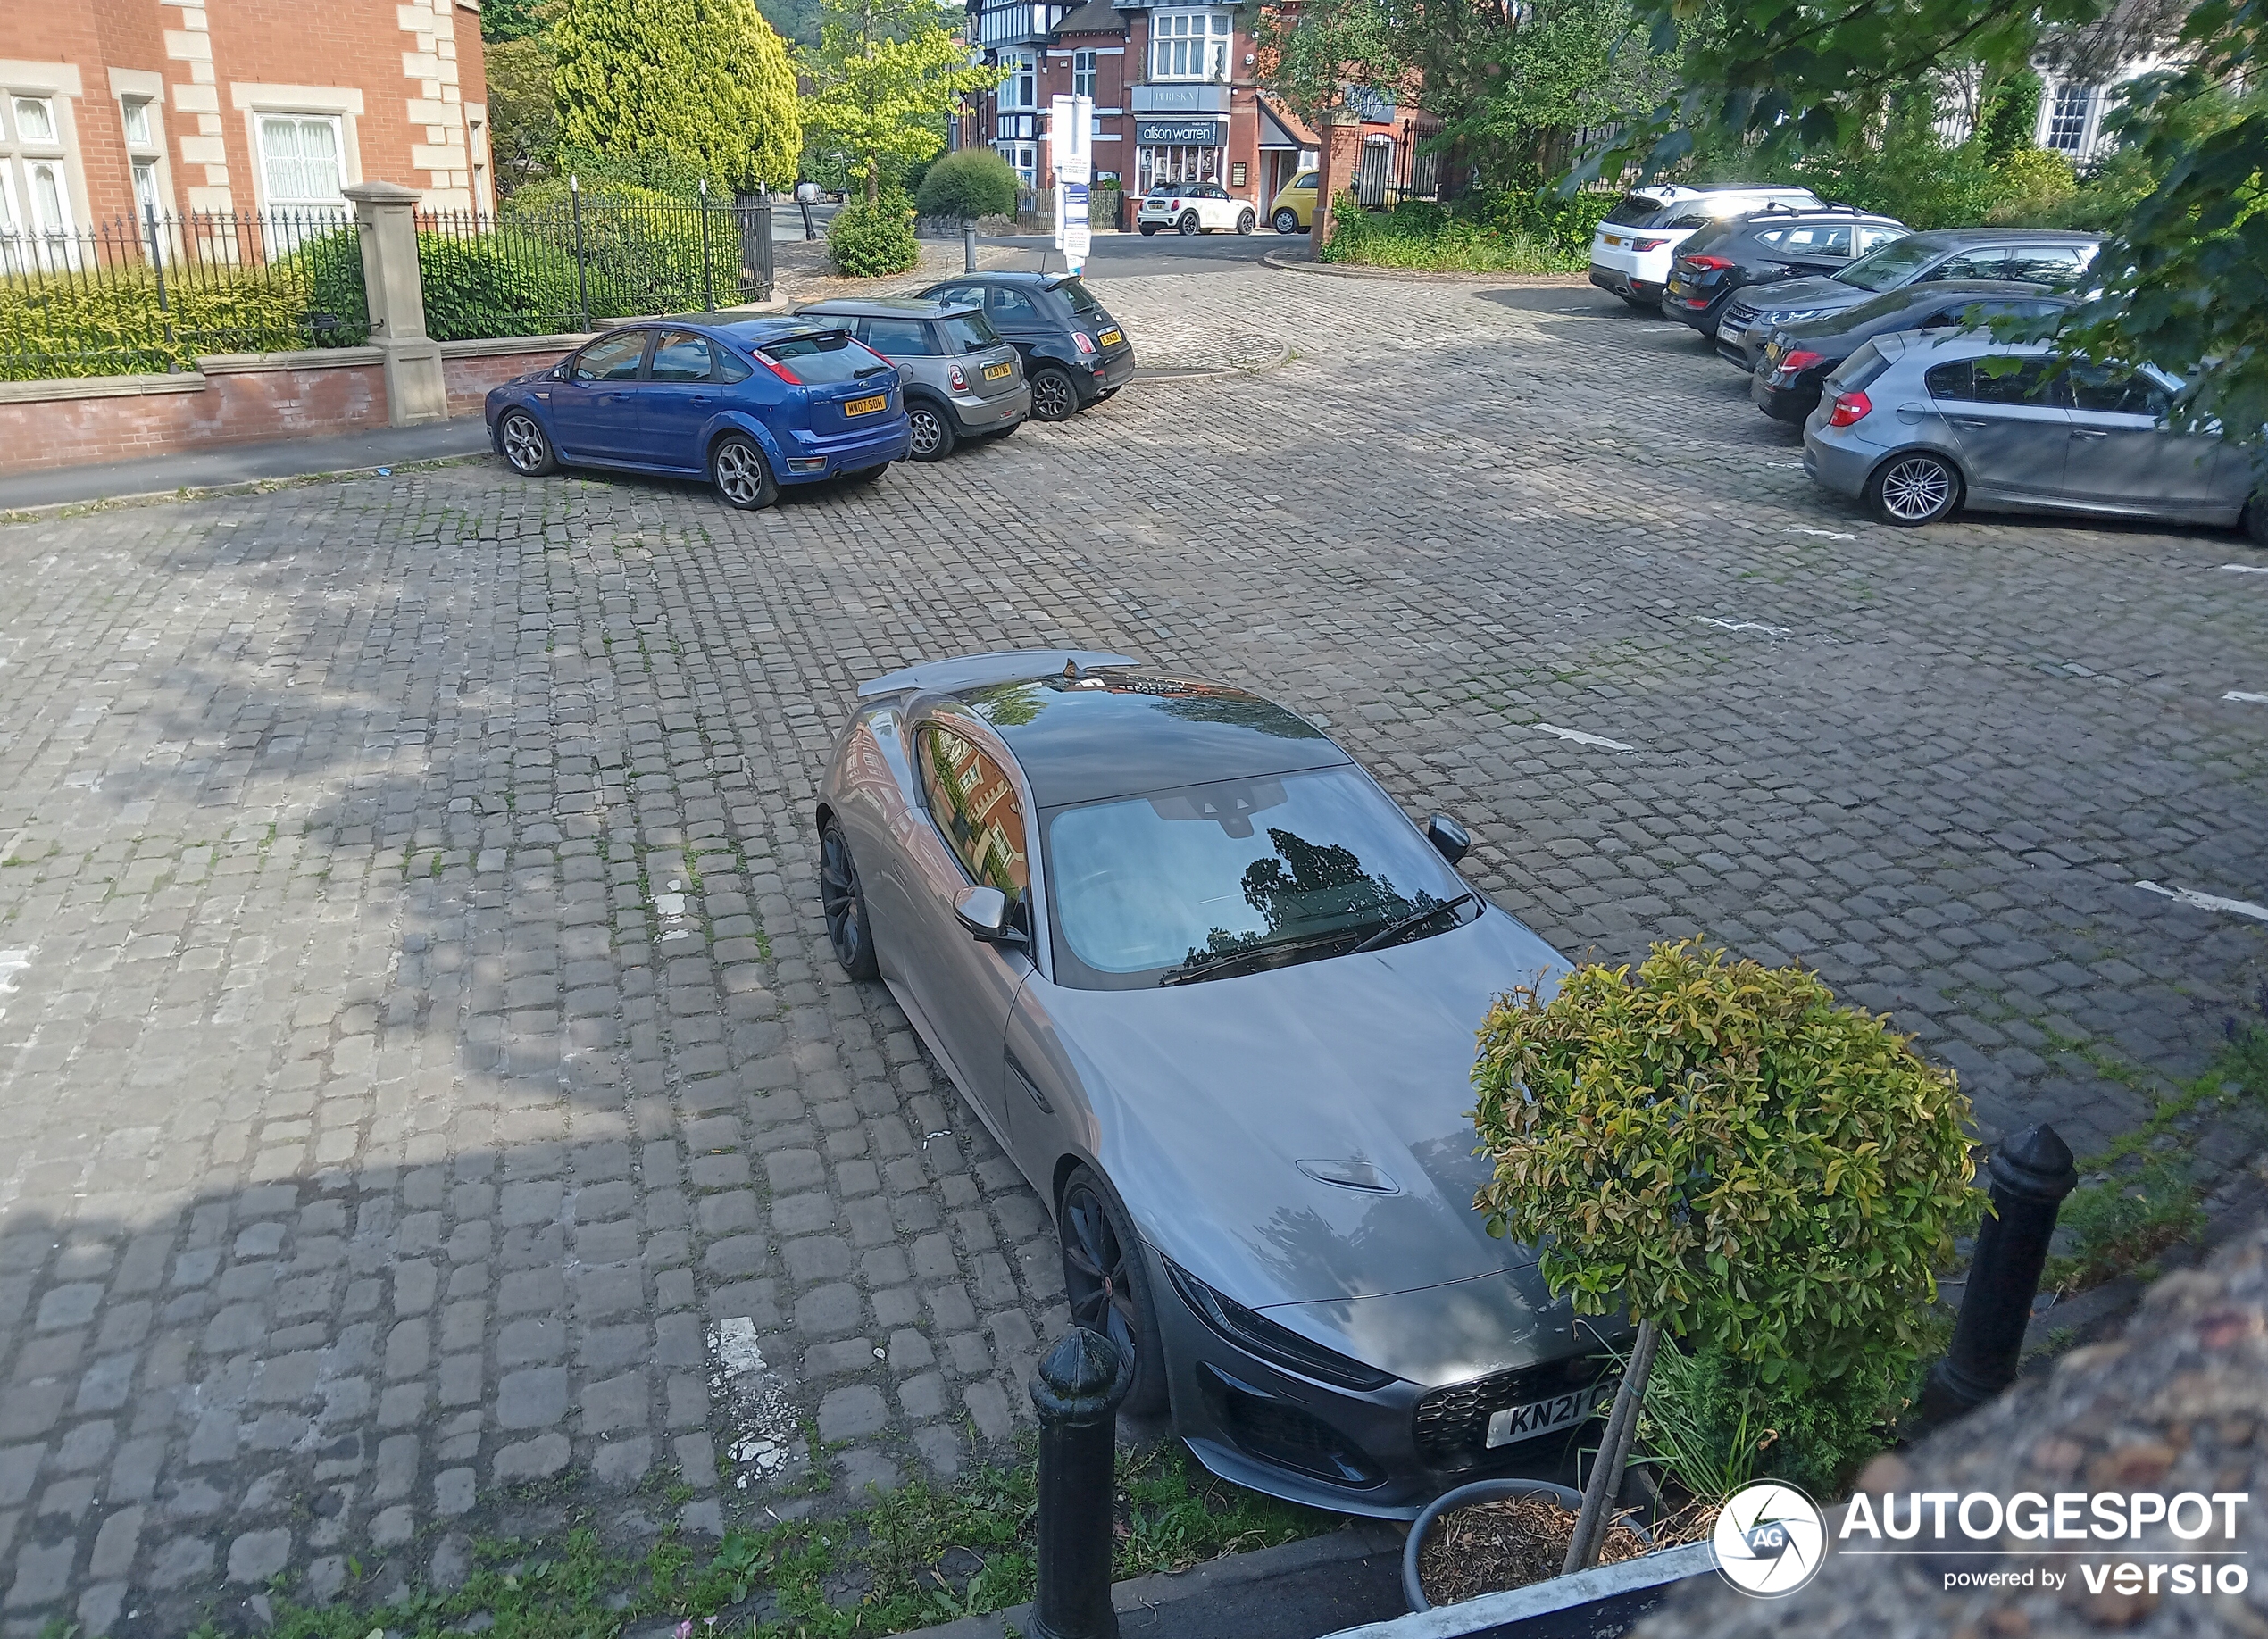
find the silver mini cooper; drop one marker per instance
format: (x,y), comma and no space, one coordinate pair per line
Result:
(961,380)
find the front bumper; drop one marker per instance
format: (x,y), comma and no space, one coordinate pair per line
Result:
(1385,1454)
(1734,330)
(972,414)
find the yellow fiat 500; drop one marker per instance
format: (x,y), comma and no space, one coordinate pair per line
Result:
(1294,210)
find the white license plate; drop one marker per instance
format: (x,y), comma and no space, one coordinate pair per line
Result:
(1516,1423)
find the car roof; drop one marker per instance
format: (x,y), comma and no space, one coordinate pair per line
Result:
(1004,276)
(884,307)
(1953,238)
(1814,213)
(756,332)
(1084,731)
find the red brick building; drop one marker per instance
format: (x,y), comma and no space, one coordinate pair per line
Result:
(1176,100)
(109,108)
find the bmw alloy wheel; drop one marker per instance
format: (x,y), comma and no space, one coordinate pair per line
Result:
(1916,490)
(524,443)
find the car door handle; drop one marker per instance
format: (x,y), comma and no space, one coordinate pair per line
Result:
(2090,432)
(1971,422)
(1030,1086)
(703,398)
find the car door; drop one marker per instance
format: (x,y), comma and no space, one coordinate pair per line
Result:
(2009,424)
(1219,209)
(595,410)
(678,396)
(2124,454)
(965,986)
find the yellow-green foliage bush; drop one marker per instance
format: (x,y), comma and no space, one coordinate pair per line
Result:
(110,323)
(1720,1147)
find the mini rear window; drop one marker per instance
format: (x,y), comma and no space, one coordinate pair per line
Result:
(968,333)
(818,360)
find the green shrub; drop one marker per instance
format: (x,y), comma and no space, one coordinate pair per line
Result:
(1718,1146)
(1564,222)
(1420,235)
(972,183)
(503,283)
(2037,184)
(868,241)
(111,324)
(641,247)
(1715,1426)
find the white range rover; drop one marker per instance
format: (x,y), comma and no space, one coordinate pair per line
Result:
(1194,207)
(1636,242)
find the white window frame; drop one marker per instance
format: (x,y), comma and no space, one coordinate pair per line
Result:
(36,235)
(1083,73)
(1023,76)
(2090,104)
(332,124)
(1023,158)
(1191,46)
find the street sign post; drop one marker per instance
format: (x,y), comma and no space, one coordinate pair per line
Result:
(1071,127)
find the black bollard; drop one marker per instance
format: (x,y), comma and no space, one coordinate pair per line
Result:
(2029,1175)
(1077,1391)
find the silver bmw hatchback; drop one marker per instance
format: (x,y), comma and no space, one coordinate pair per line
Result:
(1217,995)
(1919,424)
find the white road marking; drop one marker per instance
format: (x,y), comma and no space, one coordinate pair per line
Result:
(2246,569)
(1746,626)
(2234,694)
(758,1404)
(1785,466)
(11,963)
(738,1350)
(1824,534)
(1580,737)
(2208,902)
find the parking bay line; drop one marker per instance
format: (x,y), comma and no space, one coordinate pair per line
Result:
(1824,534)
(1746,626)
(2245,568)
(1580,738)
(2207,901)
(2238,694)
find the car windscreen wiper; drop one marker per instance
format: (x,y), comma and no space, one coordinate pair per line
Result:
(1416,919)
(1236,962)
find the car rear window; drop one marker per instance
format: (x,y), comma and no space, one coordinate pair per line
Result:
(1889,267)
(817,361)
(968,332)
(1081,299)
(1632,211)
(1858,369)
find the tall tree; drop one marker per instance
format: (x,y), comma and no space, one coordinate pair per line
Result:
(2180,278)
(523,118)
(1325,58)
(885,76)
(706,81)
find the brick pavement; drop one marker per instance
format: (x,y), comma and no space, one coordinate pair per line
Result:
(428,1104)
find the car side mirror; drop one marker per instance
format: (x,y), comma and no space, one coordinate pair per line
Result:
(984,911)
(1450,840)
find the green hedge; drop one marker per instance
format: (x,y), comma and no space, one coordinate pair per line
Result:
(970,183)
(641,247)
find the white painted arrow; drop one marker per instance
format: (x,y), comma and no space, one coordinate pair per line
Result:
(2208,902)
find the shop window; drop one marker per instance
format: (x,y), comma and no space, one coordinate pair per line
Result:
(1168,167)
(1190,45)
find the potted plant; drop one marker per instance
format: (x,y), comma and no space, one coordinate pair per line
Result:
(1724,1152)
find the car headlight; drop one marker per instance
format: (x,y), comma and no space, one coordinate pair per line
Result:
(1279,1346)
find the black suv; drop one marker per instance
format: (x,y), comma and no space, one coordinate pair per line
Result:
(1801,356)
(1763,248)
(1074,353)
(2033,256)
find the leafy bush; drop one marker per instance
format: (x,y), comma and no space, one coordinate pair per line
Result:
(1417,233)
(2038,182)
(641,247)
(868,241)
(1718,1147)
(503,283)
(1564,221)
(972,183)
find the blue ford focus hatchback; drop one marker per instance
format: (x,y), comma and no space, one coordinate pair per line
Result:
(749,405)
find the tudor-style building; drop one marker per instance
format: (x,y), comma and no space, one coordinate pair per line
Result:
(1176,100)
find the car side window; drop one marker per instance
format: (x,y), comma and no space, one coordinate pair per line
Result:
(1010,306)
(1949,380)
(968,294)
(1305,179)
(2044,262)
(1985,263)
(1773,237)
(898,338)
(2031,382)
(680,357)
(974,805)
(731,369)
(611,358)
(2100,391)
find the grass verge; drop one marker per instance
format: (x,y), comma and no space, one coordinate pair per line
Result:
(1425,237)
(923,1554)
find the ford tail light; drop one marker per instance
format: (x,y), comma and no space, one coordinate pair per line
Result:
(1850,409)
(779,370)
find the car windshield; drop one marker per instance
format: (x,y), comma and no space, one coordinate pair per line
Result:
(1081,299)
(817,361)
(1217,879)
(969,332)
(1890,266)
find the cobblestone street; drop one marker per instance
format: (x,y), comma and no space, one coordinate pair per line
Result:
(428,1101)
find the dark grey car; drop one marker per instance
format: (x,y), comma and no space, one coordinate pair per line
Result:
(1216,995)
(962,378)
(1919,425)
(2036,255)
(1800,356)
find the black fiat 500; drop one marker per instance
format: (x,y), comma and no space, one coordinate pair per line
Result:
(1075,355)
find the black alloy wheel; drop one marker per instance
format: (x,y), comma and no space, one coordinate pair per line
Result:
(1110,1285)
(741,475)
(1916,487)
(524,445)
(932,433)
(1189,224)
(1054,395)
(843,906)
(1287,220)
(1246,222)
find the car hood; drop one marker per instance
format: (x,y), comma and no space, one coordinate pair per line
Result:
(1208,1097)
(1815,291)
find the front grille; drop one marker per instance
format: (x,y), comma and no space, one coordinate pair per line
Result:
(1453,1422)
